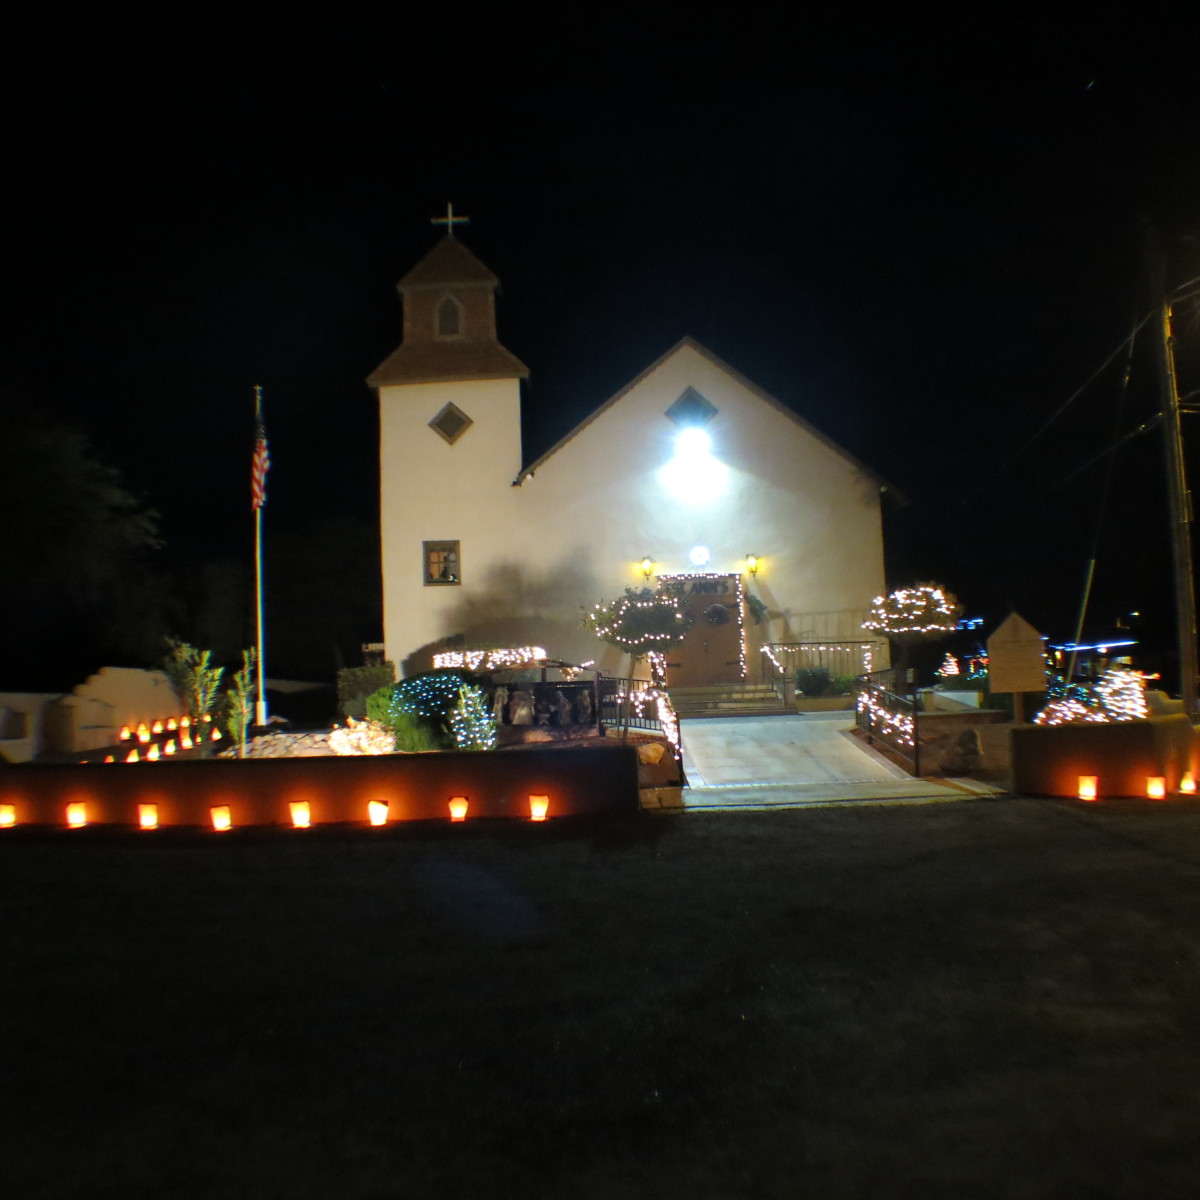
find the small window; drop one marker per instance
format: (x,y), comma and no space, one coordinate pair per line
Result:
(691,409)
(449,318)
(450,423)
(441,563)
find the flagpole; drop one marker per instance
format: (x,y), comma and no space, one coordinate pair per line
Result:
(260,708)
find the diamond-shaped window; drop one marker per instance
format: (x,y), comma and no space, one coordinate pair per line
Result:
(451,423)
(692,409)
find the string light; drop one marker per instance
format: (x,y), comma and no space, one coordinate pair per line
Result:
(1120,695)
(923,609)
(792,649)
(899,726)
(740,605)
(472,723)
(488,660)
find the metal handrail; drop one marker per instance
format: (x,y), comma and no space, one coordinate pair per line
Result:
(889,717)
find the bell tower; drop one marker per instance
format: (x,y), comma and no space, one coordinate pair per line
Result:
(449,446)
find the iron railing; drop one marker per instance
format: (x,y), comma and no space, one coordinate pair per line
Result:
(781,660)
(649,707)
(887,713)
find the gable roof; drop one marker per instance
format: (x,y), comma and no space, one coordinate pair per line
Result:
(738,377)
(445,362)
(448,264)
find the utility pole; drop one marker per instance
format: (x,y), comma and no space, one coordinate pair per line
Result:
(1180,507)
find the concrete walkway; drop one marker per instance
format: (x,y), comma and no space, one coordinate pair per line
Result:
(809,758)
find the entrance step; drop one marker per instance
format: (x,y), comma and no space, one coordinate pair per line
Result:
(728,700)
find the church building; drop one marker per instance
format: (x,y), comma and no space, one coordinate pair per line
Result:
(690,472)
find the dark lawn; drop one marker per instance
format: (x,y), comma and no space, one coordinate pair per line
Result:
(952,1000)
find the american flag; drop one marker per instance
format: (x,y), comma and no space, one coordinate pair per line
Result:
(262,457)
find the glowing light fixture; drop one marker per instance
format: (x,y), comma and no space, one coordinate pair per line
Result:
(693,475)
(170,747)
(8,816)
(185,722)
(185,742)
(126,733)
(109,758)
(752,563)
(172,724)
(1087,787)
(698,556)
(458,808)
(538,807)
(143,734)
(152,753)
(301,814)
(215,735)
(1187,785)
(1156,787)
(222,818)
(133,755)
(77,814)
(377,812)
(647,565)
(147,816)
(157,727)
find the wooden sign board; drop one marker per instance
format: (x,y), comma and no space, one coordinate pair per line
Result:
(1015,654)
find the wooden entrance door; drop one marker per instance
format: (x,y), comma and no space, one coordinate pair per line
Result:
(712,650)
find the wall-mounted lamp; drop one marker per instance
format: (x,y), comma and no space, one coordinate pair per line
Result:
(752,563)
(647,565)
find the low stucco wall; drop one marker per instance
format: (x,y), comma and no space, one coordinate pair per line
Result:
(1048,759)
(259,791)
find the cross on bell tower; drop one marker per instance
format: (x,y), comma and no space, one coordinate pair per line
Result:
(449,220)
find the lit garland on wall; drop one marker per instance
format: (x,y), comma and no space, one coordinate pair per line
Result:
(924,609)
(488,660)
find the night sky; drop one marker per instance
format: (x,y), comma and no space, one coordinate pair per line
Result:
(921,239)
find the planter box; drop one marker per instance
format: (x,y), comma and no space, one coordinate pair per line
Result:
(1048,759)
(824,703)
(258,791)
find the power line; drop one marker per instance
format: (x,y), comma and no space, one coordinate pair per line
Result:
(1126,342)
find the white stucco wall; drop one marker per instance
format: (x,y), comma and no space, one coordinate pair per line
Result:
(573,533)
(433,491)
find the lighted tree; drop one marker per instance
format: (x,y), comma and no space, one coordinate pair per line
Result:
(921,613)
(949,666)
(471,720)
(641,622)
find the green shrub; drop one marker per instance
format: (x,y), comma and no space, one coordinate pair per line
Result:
(813,681)
(843,685)
(379,705)
(415,734)
(356,684)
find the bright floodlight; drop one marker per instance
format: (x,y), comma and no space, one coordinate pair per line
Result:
(693,442)
(693,475)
